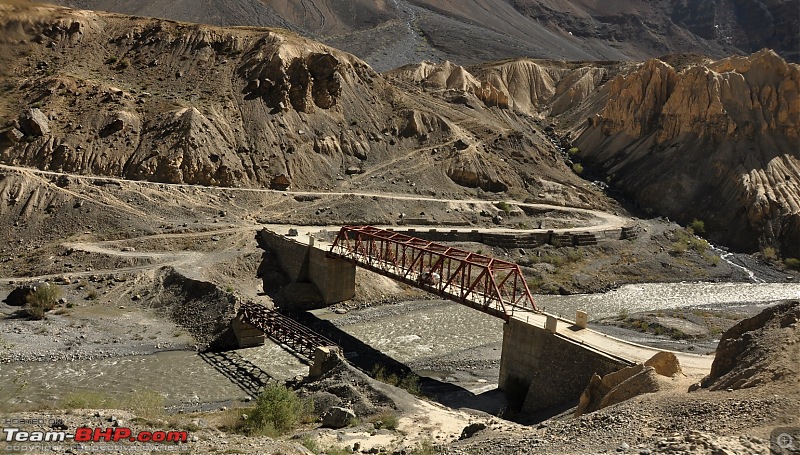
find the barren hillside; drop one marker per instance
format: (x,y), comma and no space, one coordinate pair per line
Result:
(393,33)
(99,93)
(150,99)
(699,139)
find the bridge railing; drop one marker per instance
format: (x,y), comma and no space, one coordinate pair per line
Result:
(490,285)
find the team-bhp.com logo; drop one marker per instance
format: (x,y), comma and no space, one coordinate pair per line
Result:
(86,434)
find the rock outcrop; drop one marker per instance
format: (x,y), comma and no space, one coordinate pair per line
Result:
(34,123)
(617,387)
(715,142)
(627,383)
(759,350)
(523,85)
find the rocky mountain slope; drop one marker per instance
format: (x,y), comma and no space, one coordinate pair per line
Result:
(391,34)
(691,139)
(716,142)
(150,99)
(686,137)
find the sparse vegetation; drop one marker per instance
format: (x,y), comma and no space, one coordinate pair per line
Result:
(42,300)
(386,420)
(111,60)
(144,404)
(571,256)
(425,448)
(792,263)
(311,444)
(698,226)
(577,168)
(685,240)
(769,253)
(92,295)
(504,206)
(278,410)
(408,382)
(574,151)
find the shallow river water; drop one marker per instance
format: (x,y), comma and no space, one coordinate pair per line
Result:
(416,333)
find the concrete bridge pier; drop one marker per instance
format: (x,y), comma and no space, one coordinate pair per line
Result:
(541,369)
(247,335)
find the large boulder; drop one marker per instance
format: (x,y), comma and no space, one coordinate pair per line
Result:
(19,296)
(34,123)
(338,417)
(665,363)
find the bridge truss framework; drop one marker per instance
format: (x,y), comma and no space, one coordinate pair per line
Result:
(490,285)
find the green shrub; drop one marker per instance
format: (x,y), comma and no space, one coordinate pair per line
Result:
(502,205)
(574,151)
(769,253)
(42,300)
(684,240)
(311,444)
(698,226)
(111,60)
(278,411)
(425,448)
(577,168)
(386,420)
(409,382)
(123,63)
(792,263)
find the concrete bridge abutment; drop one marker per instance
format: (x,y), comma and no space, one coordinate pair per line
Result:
(314,277)
(540,369)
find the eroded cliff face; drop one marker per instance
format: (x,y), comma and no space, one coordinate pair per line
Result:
(138,98)
(532,87)
(719,142)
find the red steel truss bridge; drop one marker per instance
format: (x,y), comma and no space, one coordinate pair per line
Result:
(486,284)
(284,330)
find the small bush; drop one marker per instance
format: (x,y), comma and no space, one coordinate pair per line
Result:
(574,151)
(425,448)
(769,253)
(792,263)
(386,420)
(278,411)
(502,205)
(622,314)
(42,300)
(577,168)
(92,295)
(124,63)
(698,226)
(409,382)
(111,60)
(311,444)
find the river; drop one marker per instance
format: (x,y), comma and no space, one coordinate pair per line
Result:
(420,334)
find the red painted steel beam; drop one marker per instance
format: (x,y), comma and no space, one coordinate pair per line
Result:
(490,285)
